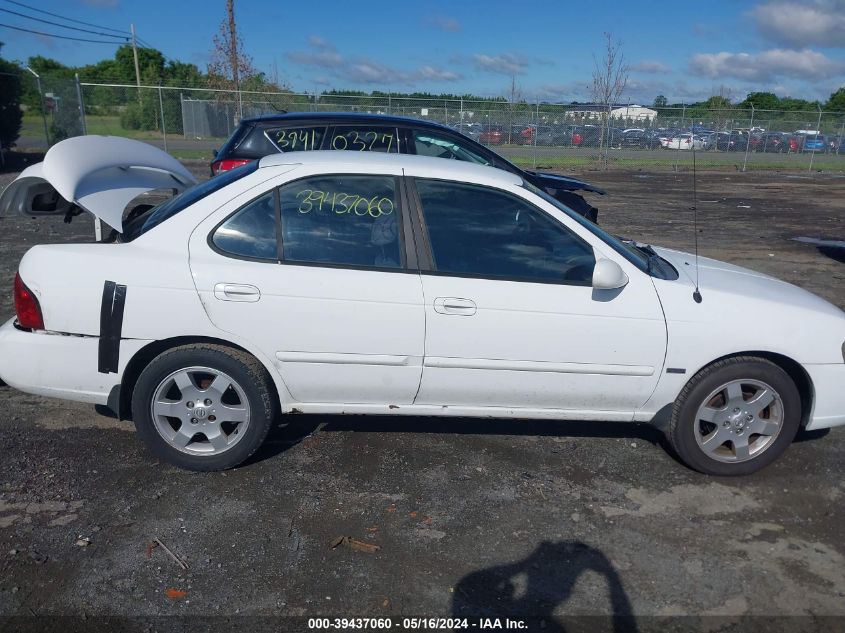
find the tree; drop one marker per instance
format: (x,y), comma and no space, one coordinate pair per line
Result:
(610,76)
(836,103)
(229,65)
(660,101)
(761,101)
(11,115)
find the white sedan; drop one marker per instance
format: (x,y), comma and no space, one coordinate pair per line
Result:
(332,282)
(685,141)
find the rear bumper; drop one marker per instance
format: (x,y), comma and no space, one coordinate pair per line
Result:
(829,400)
(58,365)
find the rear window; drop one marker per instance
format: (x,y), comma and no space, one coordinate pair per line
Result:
(166,210)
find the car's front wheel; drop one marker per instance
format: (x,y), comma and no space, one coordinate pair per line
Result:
(735,417)
(204,407)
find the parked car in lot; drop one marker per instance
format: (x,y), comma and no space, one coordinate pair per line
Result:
(323,282)
(492,135)
(364,133)
(796,142)
(471,130)
(731,142)
(773,142)
(685,142)
(815,143)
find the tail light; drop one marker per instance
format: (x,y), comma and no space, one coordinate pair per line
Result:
(226,164)
(26,307)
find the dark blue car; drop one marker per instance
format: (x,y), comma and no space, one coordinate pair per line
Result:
(270,134)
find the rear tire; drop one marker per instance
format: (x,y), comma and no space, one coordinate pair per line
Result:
(735,416)
(204,407)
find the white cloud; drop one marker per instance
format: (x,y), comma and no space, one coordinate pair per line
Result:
(439,74)
(573,90)
(362,70)
(650,66)
(768,66)
(798,24)
(444,23)
(505,64)
(319,42)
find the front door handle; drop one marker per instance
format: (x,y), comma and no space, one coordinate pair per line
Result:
(455,305)
(236,292)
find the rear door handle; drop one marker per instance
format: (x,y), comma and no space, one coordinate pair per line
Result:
(455,305)
(237,292)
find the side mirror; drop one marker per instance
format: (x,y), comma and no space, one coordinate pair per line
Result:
(608,275)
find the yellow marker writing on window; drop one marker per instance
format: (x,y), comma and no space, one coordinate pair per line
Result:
(341,203)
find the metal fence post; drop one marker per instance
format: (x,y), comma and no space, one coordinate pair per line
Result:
(748,142)
(683,118)
(81,105)
(841,137)
(41,105)
(607,136)
(818,130)
(536,130)
(163,124)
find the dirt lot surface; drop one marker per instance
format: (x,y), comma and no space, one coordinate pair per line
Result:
(472,517)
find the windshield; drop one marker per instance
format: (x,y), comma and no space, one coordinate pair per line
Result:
(158,214)
(628,251)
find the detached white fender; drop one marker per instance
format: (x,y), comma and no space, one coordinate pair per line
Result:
(100,174)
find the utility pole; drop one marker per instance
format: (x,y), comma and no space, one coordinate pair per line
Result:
(233,51)
(135,53)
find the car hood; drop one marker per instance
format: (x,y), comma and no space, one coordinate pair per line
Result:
(100,174)
(553,181)
(720,278)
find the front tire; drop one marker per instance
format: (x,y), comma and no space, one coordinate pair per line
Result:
(204,407)
(735,416)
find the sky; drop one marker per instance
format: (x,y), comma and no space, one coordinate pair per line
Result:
(685,51)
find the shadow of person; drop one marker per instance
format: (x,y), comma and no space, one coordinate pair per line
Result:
(535,587)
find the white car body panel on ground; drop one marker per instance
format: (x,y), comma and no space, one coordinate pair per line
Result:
(347,340)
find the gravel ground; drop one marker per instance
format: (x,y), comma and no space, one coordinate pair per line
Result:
(514,518)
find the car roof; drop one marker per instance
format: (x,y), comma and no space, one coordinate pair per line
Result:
(413,165)
(341,117)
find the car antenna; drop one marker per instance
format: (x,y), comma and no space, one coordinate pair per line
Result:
(696,295)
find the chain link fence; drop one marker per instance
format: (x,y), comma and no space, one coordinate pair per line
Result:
(191,122)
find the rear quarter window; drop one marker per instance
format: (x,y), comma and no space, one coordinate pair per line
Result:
(254,144)
(296,139)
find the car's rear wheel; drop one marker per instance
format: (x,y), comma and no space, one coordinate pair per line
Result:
(735,417)
(204,407)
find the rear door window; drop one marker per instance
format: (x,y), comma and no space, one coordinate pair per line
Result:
(345,220)
(365,138)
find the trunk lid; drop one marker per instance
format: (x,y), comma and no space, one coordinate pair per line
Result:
(100,174)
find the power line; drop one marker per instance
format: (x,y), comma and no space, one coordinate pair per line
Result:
(63,26)
(61,17)
(62,37)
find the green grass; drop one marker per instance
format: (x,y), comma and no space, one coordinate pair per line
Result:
(110,126)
